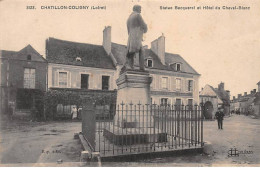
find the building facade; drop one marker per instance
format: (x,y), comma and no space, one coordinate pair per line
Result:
(248,103)
(214,98)
(79,66)
(97,67)
(23,74)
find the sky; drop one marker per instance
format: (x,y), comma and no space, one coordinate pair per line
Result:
(221,45)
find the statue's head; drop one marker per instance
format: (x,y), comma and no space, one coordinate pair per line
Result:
(137,8)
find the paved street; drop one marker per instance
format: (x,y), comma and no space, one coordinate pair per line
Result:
(240,132)
(31,143)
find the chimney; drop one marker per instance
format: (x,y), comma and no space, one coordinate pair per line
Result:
(234,97)
(239,95)
(254,90)
(107,39)
(221,86)
(258,86)
(228,92)
(245,93)
(158,47)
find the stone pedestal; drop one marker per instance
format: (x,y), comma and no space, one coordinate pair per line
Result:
(133,93)
(134,87)
(133,122)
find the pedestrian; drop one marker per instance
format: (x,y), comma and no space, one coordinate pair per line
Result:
(220,116)
(74,113)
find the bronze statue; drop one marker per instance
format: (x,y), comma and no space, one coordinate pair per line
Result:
(136,28)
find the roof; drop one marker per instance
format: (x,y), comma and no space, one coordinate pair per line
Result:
(7,54)
(246,98)
(66,52)
(23,53)
(119,51)
(221,94)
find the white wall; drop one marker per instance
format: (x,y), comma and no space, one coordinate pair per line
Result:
(74,76)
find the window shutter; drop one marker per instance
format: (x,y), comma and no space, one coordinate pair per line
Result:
(173,84)
(182,88)
(169,83)
(193,85)
(160,82)
(187,85)
(173,101)
(152,84)
(69,79)
(56,79)
(183,85)
(169,101)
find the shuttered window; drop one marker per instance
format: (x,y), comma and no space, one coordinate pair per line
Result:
(164,82)
(164,101)
(178,84)
(63,79)
(190,85)
(29,78)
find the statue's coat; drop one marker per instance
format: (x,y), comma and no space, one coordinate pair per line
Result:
(136,28)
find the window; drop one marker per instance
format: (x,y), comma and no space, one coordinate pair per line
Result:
(164,82)
(29,78)
(164,101)
(178,104)
(29,57)
(105,82)
(63,79)
(149,63)
(178,67)
(190,85)
(84,81)
(190,103)
(178,84)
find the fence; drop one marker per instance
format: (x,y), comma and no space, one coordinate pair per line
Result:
(142,128)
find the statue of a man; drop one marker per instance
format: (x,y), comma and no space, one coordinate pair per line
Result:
(136,28)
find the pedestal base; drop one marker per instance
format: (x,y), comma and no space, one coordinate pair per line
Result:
(133,136)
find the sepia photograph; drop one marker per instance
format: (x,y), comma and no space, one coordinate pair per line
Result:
(134,83)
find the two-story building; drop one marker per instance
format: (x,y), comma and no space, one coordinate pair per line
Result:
(73,65)
(79,66)
(23,76)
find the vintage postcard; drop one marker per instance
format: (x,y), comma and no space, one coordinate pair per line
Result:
(133,83)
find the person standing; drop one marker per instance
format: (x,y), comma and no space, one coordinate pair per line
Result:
(220,116)
(74,113)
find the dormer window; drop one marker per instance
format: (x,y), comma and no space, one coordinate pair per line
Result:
(149,63)
(29,57)
(176,66)
(78,59)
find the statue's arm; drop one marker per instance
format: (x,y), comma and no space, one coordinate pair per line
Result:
(142,23)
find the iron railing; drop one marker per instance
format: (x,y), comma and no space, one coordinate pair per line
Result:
(143,128)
